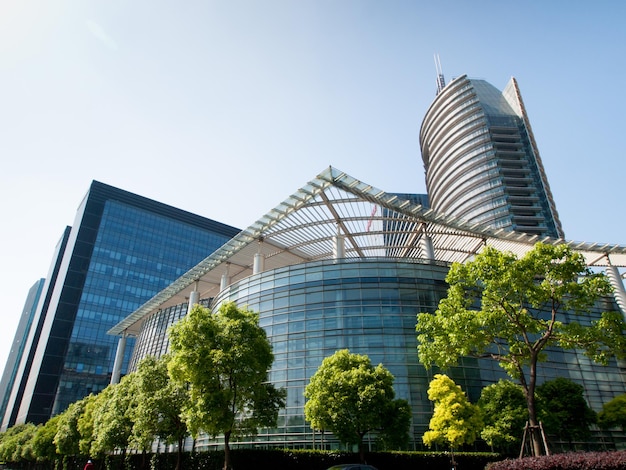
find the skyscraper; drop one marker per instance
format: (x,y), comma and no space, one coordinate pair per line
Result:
(122,249)
(15,390)
(24,327)
(482,163)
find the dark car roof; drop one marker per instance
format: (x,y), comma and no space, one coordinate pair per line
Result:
(351,466)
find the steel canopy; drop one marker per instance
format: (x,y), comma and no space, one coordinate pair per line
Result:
(373,223)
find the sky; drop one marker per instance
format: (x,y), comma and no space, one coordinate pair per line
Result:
(224,108)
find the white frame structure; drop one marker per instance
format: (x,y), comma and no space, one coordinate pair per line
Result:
(336,211)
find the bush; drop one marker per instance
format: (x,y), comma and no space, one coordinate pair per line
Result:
(284,459)
(568,461)
(289,459)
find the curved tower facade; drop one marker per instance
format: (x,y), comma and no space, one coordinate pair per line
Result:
(481,160)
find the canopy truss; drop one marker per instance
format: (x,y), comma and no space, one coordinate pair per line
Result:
(372,223)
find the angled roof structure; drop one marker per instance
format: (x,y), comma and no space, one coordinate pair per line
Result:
(372,223)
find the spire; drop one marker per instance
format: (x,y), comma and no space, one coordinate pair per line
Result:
(441,82)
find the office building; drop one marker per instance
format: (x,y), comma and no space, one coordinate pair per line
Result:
(481,159)
(121,251)
(341,264)
(15,391)
(16,353)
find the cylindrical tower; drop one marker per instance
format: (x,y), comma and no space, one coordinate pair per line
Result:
(482,163)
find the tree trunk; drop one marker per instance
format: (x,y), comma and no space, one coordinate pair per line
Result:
(179,456)
(361,450)
(227,462)
(143,458)
(534,431)
(536,438)
(123,461)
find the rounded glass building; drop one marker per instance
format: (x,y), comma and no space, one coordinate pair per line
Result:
(311,310)
(343,265)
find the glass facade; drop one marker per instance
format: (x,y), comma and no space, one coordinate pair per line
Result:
(135,255)
(152,339)
(368,306)
(24,329)
(482,163)
(123,249)
(15,391)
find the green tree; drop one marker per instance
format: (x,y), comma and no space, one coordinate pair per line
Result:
(350,397)
(394,432)
(85,424)
(504,414)
(43,447)
(113,416)
(160,406)
(613,414)
(15,443)
(520,305)
(455,420)
(67,437)
(563,409)
(224,359)
(25,451)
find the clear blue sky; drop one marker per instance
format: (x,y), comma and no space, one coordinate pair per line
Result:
(224,108)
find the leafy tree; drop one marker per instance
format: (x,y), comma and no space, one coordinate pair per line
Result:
(350,397)
(15,443)
(563,409)
(224,359)
(395,426)
(521,302)
(91,421)
(85,424)
(455,420)
(25,451)
(504,414)
(160,405)
(113,416)
(42,444)
(67,437)
(613,414)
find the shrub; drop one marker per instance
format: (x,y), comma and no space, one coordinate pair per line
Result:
(568,461)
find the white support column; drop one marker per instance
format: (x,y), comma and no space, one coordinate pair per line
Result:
(194,297)
(259,262)
(339,247)
(119,359)
(618,288)
(427,246)
(225,280)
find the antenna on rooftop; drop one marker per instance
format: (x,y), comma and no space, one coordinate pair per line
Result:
(441,82)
